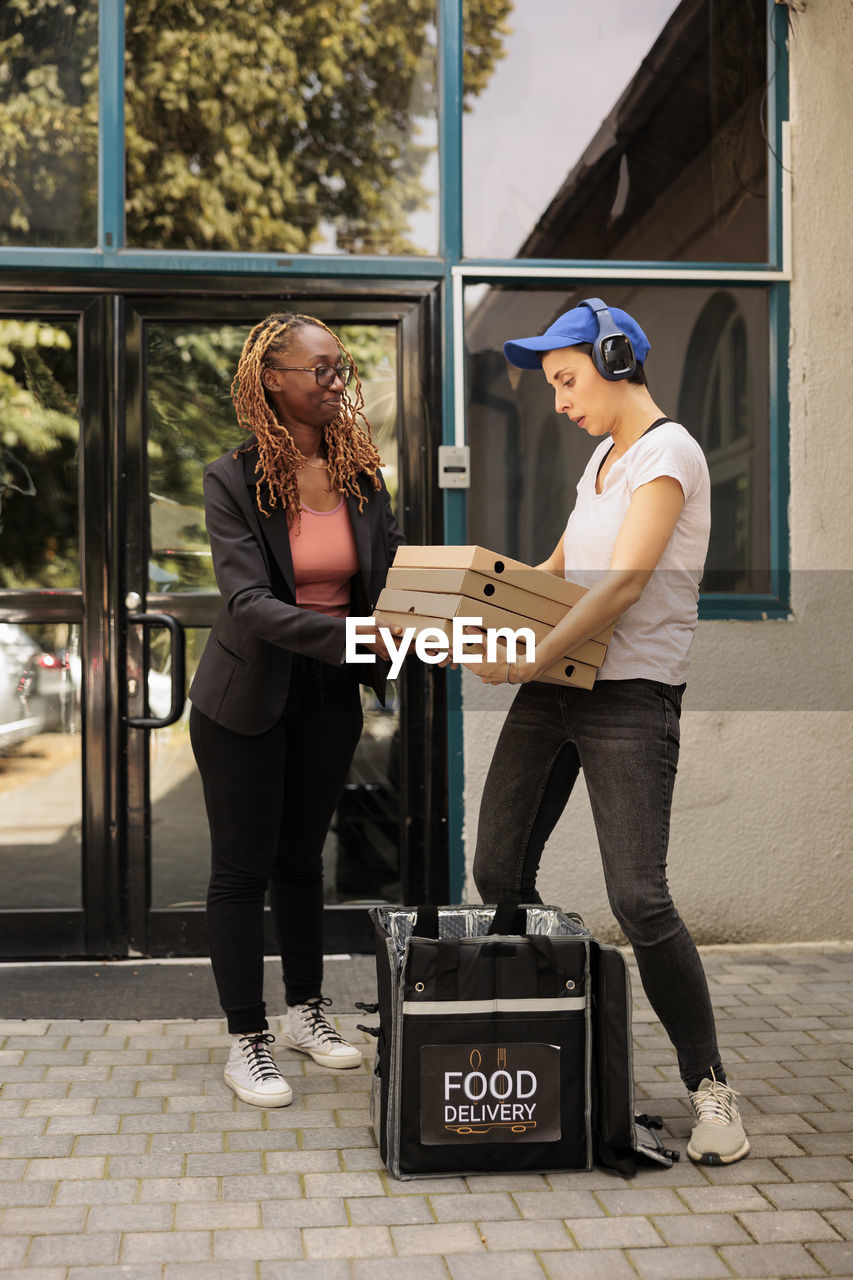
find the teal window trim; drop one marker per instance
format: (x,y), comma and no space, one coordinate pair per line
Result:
(778,136)
(153,260)
(455,504)
(721,607)
(186,263)
(780,451)
(624,266)
(608,269)
(110,132)
(450,105)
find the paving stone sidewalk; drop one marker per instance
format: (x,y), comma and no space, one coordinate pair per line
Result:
(124,1154)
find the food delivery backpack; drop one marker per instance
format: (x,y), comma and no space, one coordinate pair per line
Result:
(504,1042)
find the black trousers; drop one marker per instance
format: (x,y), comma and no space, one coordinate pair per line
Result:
(625,736)
(270,799)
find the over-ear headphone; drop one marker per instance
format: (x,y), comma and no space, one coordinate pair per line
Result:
(612,352)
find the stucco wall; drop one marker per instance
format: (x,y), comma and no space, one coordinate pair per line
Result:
(762,830)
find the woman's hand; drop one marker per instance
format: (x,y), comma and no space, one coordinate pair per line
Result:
(377,644)
(501,671)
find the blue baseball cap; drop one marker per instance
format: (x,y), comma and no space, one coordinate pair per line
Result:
(573,327)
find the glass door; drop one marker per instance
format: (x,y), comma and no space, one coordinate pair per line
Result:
(181,361)
(59,891)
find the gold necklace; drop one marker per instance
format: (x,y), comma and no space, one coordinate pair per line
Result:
(323,466)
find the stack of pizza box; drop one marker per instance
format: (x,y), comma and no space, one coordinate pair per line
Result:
(427,587)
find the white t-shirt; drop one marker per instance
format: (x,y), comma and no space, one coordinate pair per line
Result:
(652,639)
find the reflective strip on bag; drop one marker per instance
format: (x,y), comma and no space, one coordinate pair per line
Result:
(557,1004)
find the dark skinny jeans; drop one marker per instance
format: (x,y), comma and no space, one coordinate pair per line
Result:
(624,734)
(270,799)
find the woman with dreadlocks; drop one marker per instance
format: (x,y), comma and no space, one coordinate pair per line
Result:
(302,534)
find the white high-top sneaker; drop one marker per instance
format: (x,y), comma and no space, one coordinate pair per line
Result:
(251,1072)
(305,1027)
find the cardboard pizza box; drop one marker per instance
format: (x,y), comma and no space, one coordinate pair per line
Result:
(426,609)
(439,557)
(566,671)
(514,573)
(444,605)
(481,587)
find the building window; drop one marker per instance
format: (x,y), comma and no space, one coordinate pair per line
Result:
(49,123)
(707,368)
(282,128)
(39,455)
(629,131)
(635,141)
(716,394)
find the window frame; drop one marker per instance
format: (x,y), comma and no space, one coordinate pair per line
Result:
(712,605)
(775,275)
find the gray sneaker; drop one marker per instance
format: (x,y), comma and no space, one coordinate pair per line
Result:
(305,1027)
(251,1072)
(718,1136)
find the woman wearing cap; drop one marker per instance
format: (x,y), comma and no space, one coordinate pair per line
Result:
(637,538)
(302,534)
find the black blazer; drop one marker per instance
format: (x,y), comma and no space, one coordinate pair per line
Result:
(243,677)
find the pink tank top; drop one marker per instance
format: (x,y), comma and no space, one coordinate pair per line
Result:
(324,560)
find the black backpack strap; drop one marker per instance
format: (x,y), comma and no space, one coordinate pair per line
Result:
(426,921)
(509,917)
(659,422)
(446,969)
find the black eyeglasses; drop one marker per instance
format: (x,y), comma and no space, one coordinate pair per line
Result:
(325,374)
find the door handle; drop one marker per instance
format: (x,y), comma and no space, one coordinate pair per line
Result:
(178,668)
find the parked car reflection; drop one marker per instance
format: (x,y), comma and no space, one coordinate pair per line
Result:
(53,686)
(19,720)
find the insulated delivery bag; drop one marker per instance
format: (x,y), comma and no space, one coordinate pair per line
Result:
(504,1043)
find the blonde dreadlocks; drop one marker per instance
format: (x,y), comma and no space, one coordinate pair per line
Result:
(349,444)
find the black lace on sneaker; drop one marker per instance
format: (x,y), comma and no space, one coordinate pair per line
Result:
(318,1022)
(259,1060)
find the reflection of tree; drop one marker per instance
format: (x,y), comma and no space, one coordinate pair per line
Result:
(38,455)
(250,125)
(191,417)
(191,421)
(48,122)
